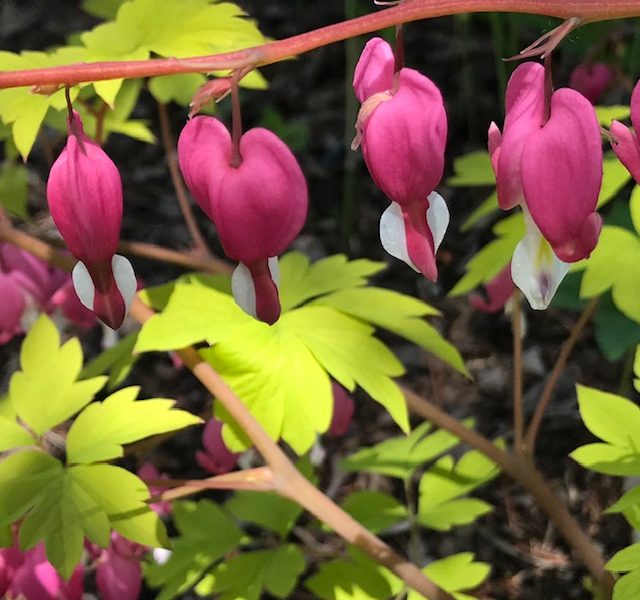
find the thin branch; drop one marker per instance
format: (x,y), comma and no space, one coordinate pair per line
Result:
(518,400)
(287,480)
(550,386)
(169,143)
(271,52)
(522,469)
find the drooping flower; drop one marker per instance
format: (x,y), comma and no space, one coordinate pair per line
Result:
(625,143)
(258,207)
(85,199)
(591,80)
(216,458)
(29,286)
(402,130)
(118,572)
(496,294)
(552,167)
(343,409)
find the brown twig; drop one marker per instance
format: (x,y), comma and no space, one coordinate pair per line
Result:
(287,480)
(518,402)
(550,386)
(169,143)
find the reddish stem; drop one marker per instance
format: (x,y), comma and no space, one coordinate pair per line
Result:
(410,10)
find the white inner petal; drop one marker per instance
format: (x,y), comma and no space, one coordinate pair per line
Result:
(535,269)
(393,235)
(125,279)
(437,218)
(83,285)
(244,292)
(274,269)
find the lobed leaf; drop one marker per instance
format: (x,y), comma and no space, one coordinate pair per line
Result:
(374,510)
(102,429)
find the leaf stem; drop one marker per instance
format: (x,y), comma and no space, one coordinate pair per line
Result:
(550,386)
(518,401)
(271,52)
(169,143)
(287,480)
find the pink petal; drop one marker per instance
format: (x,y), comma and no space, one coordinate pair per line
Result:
(374,71)
(494,143)
(634,104)
(525,113)
(10,561)
(403,140)
(255,289)
(216,458)
(591,80)
(12,306)
(85,197)
(118,577)
(343,409)
(562,175)
(626,148)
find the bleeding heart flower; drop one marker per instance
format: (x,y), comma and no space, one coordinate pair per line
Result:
(402,130)
(258,207)
(119,574)
(496,293)
(591,80)
(85,199)
(216,457)
(552,167)
(625,143)
(343,409)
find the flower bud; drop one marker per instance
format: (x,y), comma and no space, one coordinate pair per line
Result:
(84,192)
(258,207)
(343,409)
(402,130)
(591,80)
(216,457)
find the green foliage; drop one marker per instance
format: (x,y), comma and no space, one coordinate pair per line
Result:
(101,430)
(207,534)
(118,360)
(401,456)
(440,505)
(606,114)
(616,421)
(45,392)
(357,577)
(62,505)
(176,88)
(281,372)
(250,574)
(614,332)
(496,255)
(374,510)
(13,188)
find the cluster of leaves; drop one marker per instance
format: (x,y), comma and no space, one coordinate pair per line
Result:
(606,274)
(326,330)
(616,422)
(63,500)
(252,553)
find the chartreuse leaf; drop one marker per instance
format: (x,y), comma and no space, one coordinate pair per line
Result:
(13,435)
(301,281)
(489,261)
(13,188)
(45,392)
(611,266)
(202,314)
(626,559)
(206,534)
(375,510)
(354,577)
(484,209)
(401,456)
(614,177)
(118,360)
(279,380)
(616,421)
(176,88)
(473,169)
(100,430)
(627,587)
(634,208)
(104,9)
(606,114)
(398,313)
(628,500)
(440,505)
(347,349)
(23,110)
(250,574)
(122,496)
(455,574)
